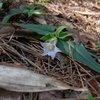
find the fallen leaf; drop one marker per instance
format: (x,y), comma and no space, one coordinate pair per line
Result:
(9,95)
(40,20)
(62,59)
(46,96)
(23,80)
(57,94)
(7,29)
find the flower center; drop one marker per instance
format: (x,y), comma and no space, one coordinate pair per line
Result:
(51,46)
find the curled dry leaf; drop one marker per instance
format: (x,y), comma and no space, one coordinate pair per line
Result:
(22,80)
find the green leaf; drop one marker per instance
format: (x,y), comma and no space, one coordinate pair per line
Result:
(29,14)
(37,12)
(98,57)
(40,29)
(10,14)
(34,12)
(59,29)
(98,45)
(26,11)
(90,97)
(79,53)
(1,1)
(63,35)
(47,37)
(28,7)
(1,5)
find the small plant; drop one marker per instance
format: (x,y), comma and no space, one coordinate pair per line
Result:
(32,10)
(28,10)
(58,34)
(64,42)
(51,40)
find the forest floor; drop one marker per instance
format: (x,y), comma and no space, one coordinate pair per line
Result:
(83,16)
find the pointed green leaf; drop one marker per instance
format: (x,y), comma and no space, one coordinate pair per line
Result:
(79,53)
(37,12)
(40,29)
(59,29)
(10,14)
(64,34)
(47,37)
(25,11)
(90,97)
(34,12)
(28,7)
(29,14)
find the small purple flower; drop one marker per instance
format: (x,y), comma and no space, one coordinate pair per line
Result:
(50,48)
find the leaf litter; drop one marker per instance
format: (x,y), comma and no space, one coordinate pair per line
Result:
(21,50)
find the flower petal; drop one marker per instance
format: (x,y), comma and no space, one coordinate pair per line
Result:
(53,42)
(52,54)
(45,53)
(57,50)
(44,45)
(48,51)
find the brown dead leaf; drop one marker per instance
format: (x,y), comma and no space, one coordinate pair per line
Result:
(6,30)
(57,94)
(75,33)
(9,95)
(94,86)
(46,96)
(40,20)
(62,59)
(76,38)
(84,39)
